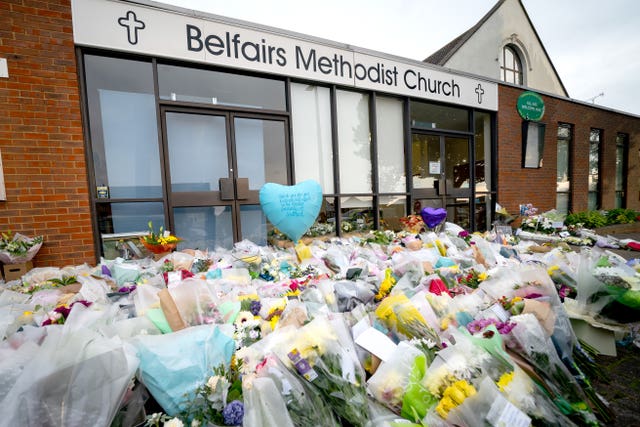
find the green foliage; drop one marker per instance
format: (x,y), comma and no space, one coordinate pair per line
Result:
(64,281)
(596,219)
(621,216)
(588,219)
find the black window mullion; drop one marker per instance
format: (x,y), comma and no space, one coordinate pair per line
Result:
(373,132)
(336,154)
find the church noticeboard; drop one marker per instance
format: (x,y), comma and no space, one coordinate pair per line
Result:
(530,106)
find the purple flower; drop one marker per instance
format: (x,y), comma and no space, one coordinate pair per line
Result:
(505,328)
(255,307)
(233,413)
(478,325)
(533,295)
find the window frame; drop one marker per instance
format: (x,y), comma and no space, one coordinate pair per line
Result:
(569,140)
(514,68)
(622,160)
(598,191)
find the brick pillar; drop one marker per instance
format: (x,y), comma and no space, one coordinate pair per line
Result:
(41,137)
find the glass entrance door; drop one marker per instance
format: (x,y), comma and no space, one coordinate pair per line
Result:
(442,175)
(216,164)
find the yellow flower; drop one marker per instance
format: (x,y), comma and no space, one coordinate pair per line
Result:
(453,396)
(504,380)
(482,276)
(444,323)
(386,285)
(444,406)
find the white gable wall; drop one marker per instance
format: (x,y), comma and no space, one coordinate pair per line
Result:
(482,53)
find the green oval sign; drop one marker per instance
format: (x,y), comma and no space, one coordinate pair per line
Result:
(530,106)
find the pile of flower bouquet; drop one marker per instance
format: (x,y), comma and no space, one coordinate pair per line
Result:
(430,329)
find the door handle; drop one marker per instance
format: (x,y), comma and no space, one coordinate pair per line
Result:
(242,188)
(226,188)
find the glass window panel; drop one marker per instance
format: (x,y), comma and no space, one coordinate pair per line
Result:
(197,151)
(619,167)
(129,217)
(457,171)
(216,87)
(593,201)
(313,155)
(391,168)
(483,211)
(420,204)
(122,113)
(563,164)
(261,152)
(594,168)
(458,211)
(121,224)
(622,141)
(354,142)
(426,161)
(392,208)
(564,131)
(254,224)
(508,57)
(426,115)
(325,224)
(203,228)
(562,202)
(357,213)
(483,151)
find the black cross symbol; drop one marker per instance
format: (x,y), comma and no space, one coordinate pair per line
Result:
(480,92)
(130,21)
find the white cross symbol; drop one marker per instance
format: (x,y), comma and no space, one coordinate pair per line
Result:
(480,92)
(131,23)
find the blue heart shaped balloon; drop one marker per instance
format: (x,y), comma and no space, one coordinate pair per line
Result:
(292,209)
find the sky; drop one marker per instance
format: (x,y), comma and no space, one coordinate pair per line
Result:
(593,44)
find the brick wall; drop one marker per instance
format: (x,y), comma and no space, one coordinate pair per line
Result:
(41,136)
(517,185)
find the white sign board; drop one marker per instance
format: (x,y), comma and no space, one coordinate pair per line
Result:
(164,33)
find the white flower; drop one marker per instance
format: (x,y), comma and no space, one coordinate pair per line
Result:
(155,418)
(243,318)
(219,387)
(174,422)
(195,423)
(54,316)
